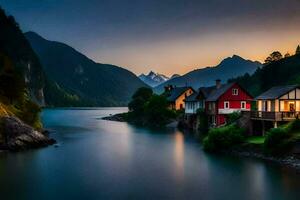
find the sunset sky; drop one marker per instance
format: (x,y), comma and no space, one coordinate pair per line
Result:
(167,36)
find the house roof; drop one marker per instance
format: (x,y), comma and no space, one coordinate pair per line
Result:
(192,97)
(215,93)
(276,92)
(207,90)
(176,92)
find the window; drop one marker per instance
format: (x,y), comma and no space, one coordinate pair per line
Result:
(235,91)
(243,104)
(226,104)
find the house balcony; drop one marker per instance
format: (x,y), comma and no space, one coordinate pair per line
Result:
(274,116)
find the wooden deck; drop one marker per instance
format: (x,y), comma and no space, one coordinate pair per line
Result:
(274,116)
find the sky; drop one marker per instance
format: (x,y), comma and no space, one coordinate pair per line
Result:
(166,36)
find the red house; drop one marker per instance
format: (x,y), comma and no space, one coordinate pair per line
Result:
(224,99)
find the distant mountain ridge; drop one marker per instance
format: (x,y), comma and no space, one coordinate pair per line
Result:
(78,80)
(153,79)
(228,68)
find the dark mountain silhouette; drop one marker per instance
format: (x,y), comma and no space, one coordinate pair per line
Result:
(229,68)
(15,49)
(84,81)
(283,72)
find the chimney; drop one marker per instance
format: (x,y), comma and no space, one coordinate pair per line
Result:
(218,83)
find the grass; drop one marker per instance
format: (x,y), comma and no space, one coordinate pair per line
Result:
(255,140)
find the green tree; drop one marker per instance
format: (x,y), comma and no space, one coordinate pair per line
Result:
(298,50)
(157,112)
(139,98)
(275,56)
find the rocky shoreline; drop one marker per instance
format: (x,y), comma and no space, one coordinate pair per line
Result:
(18,136)
(116,118)
(291,159)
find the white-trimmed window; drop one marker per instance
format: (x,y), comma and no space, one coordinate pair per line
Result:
(235,91)
(226,104)
(243,105)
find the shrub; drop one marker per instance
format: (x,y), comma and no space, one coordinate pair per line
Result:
(223,138)
(233,117)
(293,126)
(277,141)
(30,114)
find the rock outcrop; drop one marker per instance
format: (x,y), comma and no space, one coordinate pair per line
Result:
(16,135)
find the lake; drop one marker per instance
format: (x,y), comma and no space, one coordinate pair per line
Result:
(97,159)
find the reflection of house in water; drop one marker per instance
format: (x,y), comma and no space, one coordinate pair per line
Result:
(277,105)
(177,95)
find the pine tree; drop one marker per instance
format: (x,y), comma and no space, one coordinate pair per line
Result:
(298,50)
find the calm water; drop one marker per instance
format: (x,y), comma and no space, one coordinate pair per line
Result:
(100,159)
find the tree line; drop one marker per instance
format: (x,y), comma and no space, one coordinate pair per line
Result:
(276,55)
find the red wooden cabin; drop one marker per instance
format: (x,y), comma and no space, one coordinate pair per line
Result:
(225,99)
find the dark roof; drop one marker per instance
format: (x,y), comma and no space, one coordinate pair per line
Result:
(176,92)
(276,92)
(217,92)
(207,90)
(192,97)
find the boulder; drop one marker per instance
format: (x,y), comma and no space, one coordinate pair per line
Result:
(16,135)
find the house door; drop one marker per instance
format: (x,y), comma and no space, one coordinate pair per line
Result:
(181,106)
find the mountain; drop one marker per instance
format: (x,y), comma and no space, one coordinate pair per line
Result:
(82,80)
(229,68)
(283,72)
(16,50)
(153,79)
(174,76)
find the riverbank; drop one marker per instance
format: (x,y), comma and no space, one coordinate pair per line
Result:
(117,117)
(291,159)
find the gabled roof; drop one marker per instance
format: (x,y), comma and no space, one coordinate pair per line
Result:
(276,92)
(207,90)
(192,97)
(204,91)
(176,92)
(216,93)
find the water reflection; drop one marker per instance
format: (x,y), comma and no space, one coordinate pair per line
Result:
(112,160)
(179,154)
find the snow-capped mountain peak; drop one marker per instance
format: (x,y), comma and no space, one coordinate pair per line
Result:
(153,79)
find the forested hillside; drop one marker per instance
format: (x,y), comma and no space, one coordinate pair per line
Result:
(17,58)
(80,80)
(284,71)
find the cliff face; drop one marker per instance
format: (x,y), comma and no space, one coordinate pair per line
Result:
(14,45)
